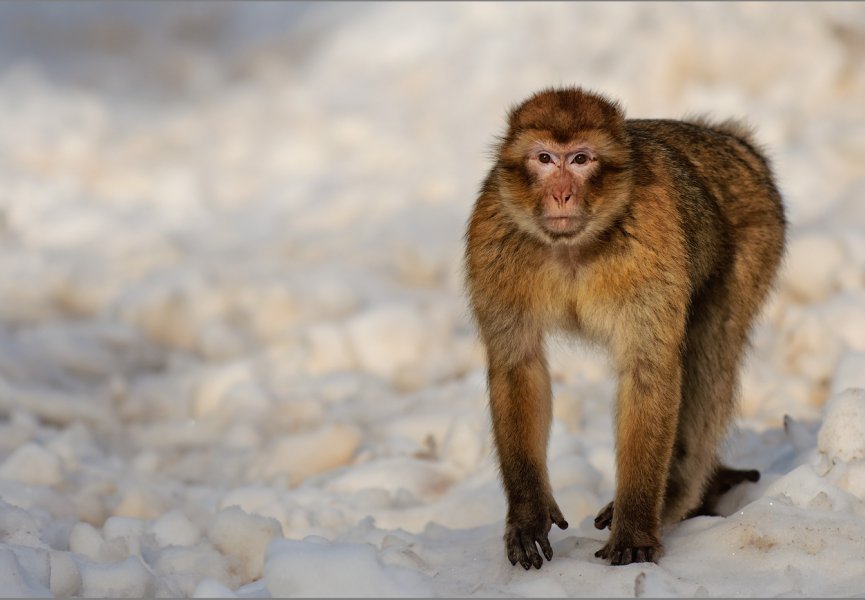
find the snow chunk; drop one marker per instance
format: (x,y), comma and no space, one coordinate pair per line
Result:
(850,372)
(804,488)
(174,529)
(812,263)
(65,578)
(229,390)
(18,526)
(127,579)
(85,540)
(421,478)
(140,503)
(15,581)
(304,454)
(843,316)
(540,587)
(210,588)
(256,500)
(189,565)
(842,435)
(309,569)
(123,527)
(245,537)
(34,465)
(465,443)
(328,348)
(387,339)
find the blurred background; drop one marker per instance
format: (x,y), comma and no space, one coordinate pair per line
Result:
(231,239)
(306,133)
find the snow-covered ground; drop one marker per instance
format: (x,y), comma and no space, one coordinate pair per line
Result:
(235,356)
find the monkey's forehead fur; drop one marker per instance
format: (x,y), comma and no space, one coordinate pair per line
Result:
(565,112)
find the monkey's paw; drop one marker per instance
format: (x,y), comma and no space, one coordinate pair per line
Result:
(625,554)
(605,517)
(527,526)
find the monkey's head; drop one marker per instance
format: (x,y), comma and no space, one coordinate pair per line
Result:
(564,165)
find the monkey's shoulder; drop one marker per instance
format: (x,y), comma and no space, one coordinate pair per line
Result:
(709,147)
(693,129)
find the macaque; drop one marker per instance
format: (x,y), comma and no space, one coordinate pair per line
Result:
(656,239)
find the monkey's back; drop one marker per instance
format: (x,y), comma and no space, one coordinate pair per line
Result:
(727,195)
(724,156)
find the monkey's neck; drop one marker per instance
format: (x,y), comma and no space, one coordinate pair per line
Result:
(570,257)
(574,257)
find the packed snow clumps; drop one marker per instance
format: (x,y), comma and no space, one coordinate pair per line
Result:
(235,353)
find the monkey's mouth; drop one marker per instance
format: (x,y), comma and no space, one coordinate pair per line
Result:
(561,226)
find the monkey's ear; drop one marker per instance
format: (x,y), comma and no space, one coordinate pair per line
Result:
(495,148)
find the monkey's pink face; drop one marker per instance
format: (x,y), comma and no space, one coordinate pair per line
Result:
(560,173)
(564,168)
(564,190)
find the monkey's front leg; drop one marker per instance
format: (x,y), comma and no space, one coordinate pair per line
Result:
(647,412)
(521,406)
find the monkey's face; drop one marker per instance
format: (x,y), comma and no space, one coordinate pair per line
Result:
(564,166)
(559,174)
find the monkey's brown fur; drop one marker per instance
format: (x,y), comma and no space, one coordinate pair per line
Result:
(682,231)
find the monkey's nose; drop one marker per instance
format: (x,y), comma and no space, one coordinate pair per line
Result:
(562,197)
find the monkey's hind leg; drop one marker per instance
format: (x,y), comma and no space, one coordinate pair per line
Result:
(720,322)
(722,481)
(715,341)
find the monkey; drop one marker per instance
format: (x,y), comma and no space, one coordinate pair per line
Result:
(656,239)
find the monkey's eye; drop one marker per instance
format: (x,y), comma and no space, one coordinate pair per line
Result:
(544,157)
(581,158)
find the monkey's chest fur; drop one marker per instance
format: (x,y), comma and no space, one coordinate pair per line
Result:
(607,292)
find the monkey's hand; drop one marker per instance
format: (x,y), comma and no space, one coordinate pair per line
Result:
(528,524)
(605,517)
(627,549)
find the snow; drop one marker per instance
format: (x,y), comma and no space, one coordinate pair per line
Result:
(235,355)
(339,570)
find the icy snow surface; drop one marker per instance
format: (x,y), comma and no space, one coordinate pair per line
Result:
(235,356)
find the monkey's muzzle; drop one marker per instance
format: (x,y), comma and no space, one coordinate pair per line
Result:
(561,226)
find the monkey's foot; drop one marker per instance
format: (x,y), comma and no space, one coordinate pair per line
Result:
(625,554)
(722,481)
(605,517)
(530,524)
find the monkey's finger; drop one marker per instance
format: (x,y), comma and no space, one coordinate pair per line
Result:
(627,556)
(642,555)
(531,551)
(558,518)
(520,556)
(546,547)
(516,554)
(515,550)
(752,475)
